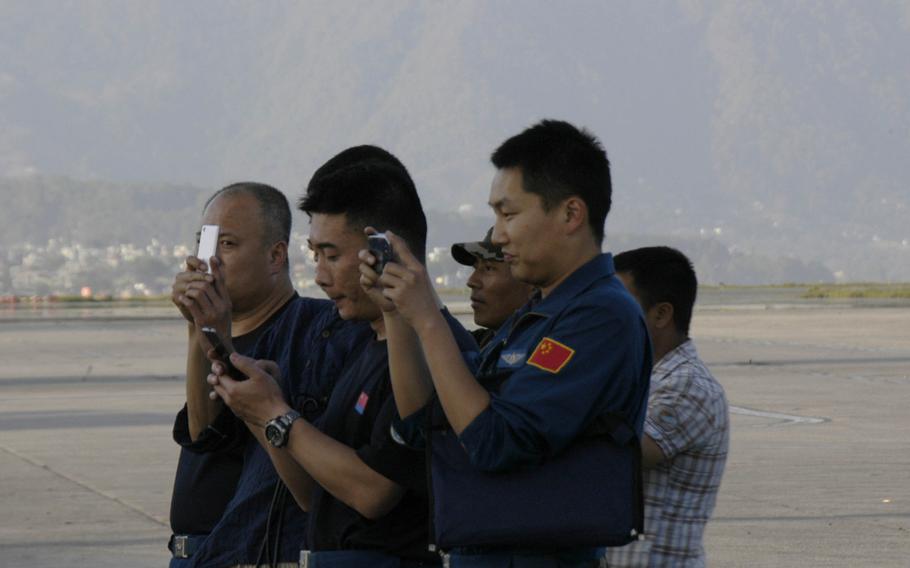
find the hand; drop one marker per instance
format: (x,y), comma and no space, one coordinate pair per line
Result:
(255,400)
(407,284)
(208,303)
(195,271)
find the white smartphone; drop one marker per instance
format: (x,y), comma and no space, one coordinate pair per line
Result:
(208,245)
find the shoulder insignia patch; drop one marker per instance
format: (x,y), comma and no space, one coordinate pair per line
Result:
(512,358)
(551,355)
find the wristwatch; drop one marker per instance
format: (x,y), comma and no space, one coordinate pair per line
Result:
(278,429)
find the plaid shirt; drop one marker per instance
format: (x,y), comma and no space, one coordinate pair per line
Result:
(688,419)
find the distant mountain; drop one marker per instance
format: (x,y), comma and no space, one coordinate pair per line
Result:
(780,130)
(102,213)
(99,215)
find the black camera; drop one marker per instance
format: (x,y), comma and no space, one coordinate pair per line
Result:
(381,249)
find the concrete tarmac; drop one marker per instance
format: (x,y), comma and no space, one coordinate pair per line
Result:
(818,475)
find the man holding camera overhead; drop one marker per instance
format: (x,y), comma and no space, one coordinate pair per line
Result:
(365,494)
(577,353)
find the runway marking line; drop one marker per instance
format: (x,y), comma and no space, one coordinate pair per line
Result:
(787,418)
(86,486)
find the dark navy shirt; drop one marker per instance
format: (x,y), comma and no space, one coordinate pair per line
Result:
(310,344)
(360,415)
(209,467)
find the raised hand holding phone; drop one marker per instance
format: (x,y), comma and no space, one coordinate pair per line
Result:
(406,283)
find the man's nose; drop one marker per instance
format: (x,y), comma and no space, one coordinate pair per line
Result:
(499,237)
(323,276)
(474,280)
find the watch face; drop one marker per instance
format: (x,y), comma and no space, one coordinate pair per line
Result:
(274,435)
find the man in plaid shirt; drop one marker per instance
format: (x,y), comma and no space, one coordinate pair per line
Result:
(686,434)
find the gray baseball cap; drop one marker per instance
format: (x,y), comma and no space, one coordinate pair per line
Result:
(468,253)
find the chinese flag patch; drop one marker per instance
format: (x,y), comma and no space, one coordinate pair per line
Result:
(361,403)
(551,355)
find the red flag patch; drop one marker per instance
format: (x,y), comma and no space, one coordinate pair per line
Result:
(551,355)
(362,403)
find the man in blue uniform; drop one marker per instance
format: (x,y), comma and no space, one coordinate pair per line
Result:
(366,495)
(578,351)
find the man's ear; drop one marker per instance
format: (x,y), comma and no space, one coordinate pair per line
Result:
(576,213)
(662,314)
(278,256)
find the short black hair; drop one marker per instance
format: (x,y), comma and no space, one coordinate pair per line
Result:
(662,274)
(558,161)
(355,154)
(372,188)
(273,207)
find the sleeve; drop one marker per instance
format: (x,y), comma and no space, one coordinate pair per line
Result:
(595,363)
(679,413)
(411,431)
(404,465)
(226,433)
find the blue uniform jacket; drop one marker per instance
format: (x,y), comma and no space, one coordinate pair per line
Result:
(581,352)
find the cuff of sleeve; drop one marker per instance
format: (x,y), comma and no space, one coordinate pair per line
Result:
(215,436)
(475,437)
(410,431)
(660,435)
(181,431)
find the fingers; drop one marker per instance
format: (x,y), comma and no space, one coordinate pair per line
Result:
(368,276)
(196,299)
(249,367)
(183,282)
(366,282)
(200,288)
(401,251)
(194,264)
(212,355)
(193,308)
(394,272)
(186,277)
(366,257)
(270,367)
(255,400)
(221,387)
(198,296)
(220,380)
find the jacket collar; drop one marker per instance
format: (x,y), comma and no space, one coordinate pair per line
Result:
(601,266)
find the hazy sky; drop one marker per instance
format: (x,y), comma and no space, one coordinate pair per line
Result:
(775,127)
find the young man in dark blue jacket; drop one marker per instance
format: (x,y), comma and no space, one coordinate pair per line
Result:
(366,494)
(579,350)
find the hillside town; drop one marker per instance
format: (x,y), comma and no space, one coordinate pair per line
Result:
(60,269)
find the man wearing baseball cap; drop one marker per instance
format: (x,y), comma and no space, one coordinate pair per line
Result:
(495,293)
